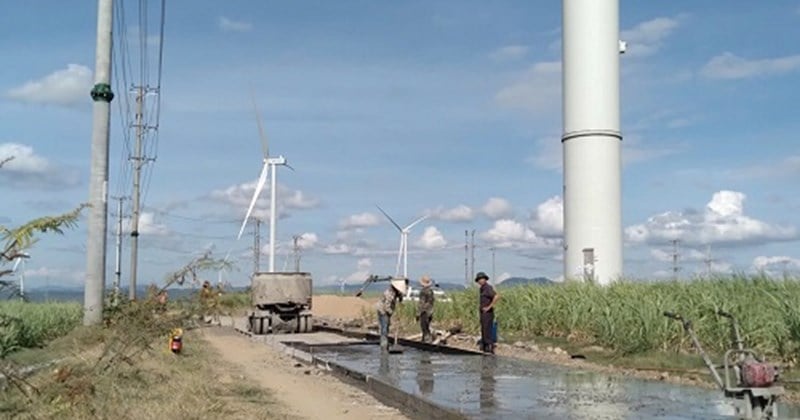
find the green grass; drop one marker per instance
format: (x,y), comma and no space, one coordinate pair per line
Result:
(28,325)
(627,317)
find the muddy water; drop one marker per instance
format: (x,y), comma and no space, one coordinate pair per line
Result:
(485,387)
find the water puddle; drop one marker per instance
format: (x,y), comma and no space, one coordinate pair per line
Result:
(497,387)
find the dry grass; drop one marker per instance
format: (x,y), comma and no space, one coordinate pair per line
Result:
(126,371)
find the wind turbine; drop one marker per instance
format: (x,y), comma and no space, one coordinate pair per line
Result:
(402,255)
(270,165)
(21,257)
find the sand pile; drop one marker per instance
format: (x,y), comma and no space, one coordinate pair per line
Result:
(340,307)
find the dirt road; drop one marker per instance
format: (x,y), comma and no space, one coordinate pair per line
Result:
(304,392)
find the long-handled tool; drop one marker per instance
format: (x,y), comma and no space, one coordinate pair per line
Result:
(395,348)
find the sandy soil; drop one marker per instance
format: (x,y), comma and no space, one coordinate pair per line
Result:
(304,391)
(340,307)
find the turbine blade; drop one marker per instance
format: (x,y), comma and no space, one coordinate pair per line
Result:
(259,186)
(390,219)
(289,166)
(261,135)
(415,223)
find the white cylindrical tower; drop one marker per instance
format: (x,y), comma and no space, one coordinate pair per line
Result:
(592,140)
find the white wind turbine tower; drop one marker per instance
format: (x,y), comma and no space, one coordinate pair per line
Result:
(270,165)
(21,257)
(403,253)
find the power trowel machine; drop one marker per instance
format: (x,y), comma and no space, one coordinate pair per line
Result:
(747,376)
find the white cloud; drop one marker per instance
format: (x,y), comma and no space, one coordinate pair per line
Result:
(537,91)
(647,37)
(507,233)
(30,170)
(762,262)
(64,87)
(360,220)
(307,240)
(296,199)
(337,249)
(730,66)
(432,238)
(548,220)
(229,25)
(363,270)
(497,208)
(722,222)
(460,213)
(147,225)
(238,196)
(509,53)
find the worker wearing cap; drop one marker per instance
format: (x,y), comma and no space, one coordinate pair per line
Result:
(488,298)
(385,306)
(425,308)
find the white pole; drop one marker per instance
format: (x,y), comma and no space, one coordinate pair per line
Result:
(592,139)
(22,281)
(405,254)
(98,179)
(272,217)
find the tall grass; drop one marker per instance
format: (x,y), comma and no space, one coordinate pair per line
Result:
(25,324)
(628,316)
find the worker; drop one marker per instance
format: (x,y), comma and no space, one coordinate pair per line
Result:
(385,307)
(208,302)
(425,308)
(488,298)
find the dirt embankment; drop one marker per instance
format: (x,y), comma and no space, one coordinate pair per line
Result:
(340,307)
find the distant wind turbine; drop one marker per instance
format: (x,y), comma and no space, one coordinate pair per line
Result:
(270,164)
(402,255)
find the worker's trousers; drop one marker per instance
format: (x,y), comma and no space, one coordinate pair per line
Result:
(425,326)
(487,338)
(384,321)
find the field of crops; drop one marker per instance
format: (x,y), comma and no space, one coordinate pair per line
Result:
(25,325)
(628,316)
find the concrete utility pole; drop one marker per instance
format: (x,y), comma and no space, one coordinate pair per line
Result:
(257,247)
(296,250)
(138,162)
(118,259)
(708,261)
(472,249)
(675,267)
(98,179)
(493,266)
(466,258)
(592,140)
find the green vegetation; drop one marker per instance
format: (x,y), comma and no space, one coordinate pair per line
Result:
(627,317)
(26,325)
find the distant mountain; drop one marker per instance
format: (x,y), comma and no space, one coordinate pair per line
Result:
(522,281)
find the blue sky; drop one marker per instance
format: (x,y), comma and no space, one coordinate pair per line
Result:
(447,109)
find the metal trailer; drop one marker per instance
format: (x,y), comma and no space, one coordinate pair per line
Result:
(755,380)
(281,303)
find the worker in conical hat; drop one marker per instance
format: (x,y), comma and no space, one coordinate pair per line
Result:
(385,307)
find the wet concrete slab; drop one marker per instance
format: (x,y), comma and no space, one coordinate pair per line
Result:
(487,387)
